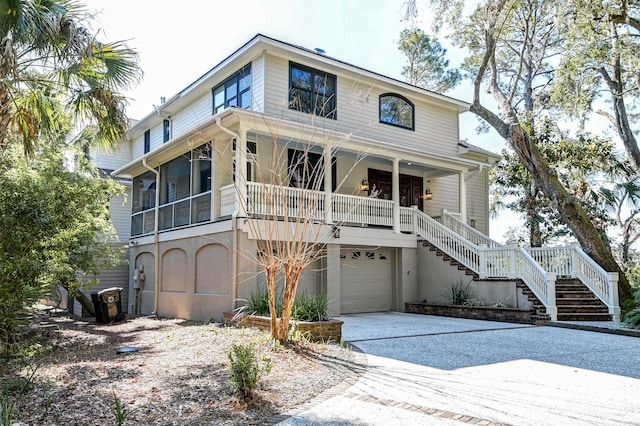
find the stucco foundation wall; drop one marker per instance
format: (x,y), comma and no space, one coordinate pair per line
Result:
(406,277)
(195,277)
(436,277)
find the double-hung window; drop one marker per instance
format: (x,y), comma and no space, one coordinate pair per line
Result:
(312,91)
(235,91)
(166,130)
(147,141)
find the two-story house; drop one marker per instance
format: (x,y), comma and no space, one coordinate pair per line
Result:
(391,158)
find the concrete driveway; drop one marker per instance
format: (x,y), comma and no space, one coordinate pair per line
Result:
(426,370)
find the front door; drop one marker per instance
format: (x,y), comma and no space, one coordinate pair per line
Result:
(410,187)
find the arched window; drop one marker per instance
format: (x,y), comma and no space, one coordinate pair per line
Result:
(396,110)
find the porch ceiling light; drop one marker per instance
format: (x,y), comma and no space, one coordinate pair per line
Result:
(364,186)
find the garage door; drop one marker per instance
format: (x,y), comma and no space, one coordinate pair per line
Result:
(366,280)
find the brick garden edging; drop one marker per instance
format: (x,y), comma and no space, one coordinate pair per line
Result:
(488,313)
(317,330)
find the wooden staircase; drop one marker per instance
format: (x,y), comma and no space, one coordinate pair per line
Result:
(447,258)
(575,302)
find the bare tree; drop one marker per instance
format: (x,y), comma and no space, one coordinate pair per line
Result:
(287,208)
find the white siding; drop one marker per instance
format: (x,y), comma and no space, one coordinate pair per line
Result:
(436,127)
(197,111)
(137,147)
(120,210)
(111,159)
(156,137)
(257,83)
(445,195)
(478,201)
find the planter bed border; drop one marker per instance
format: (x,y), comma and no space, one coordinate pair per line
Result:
(316,330)
(487,313)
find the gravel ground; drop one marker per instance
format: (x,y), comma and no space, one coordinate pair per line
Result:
(178,376)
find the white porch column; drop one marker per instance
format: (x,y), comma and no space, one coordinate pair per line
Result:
(215,191)
(241,173)
(395,194)
(328,184)
(462,197)
(333,280)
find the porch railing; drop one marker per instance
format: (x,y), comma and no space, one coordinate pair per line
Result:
(227,200)
(362,210)
(537,267)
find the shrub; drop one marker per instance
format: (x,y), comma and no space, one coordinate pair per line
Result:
(310,308)
(305,308)
(244,369)
(632,318)
(459,293)
(258,303)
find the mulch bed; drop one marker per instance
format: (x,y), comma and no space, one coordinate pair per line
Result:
(178,376)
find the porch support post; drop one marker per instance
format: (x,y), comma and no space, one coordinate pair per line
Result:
(395,194)
(215,191)
(241,173)
(328,185)
(462,197)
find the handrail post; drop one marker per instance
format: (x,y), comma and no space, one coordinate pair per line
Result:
(513,271)
(414,219)
(614,305)
(552,308)
(482,261)
(574,260)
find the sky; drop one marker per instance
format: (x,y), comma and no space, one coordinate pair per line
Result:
(180,41)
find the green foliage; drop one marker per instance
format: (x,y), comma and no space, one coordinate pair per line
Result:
(633,275)
(305,308)
(244,370)
(14,392)
(120,410)
(258,303)
(427,66)
(473,301)
(54,224)
(502,302)
(54,66)
(310,308)
(632,317)
(459,293)
(580,163)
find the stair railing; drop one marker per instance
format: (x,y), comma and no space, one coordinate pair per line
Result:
(602,283)
(572,261)
(539,281)
(491,262)
(470,233)
(451,243)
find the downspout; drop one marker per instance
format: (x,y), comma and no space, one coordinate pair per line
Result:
(234,222)
(156,248)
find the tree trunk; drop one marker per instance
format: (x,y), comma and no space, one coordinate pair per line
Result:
(570,211)
(535,235)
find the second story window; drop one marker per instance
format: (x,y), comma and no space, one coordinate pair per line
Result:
(312,91)
(397,111)
(147,141)
(235,91)
(166,130)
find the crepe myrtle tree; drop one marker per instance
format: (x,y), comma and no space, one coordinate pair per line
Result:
(286,208)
